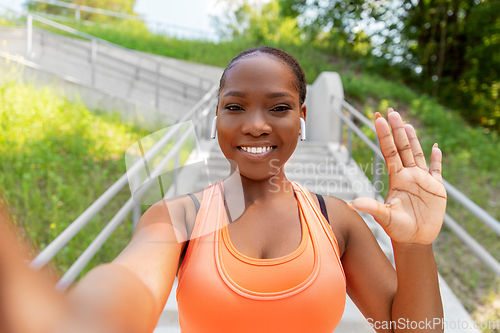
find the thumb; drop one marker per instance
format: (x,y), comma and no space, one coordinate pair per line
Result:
(380,212)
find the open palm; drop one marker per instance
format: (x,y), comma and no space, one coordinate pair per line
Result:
(415,205)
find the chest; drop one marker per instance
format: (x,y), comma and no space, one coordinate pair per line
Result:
(267,232)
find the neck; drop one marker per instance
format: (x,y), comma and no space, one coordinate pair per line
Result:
(258,191)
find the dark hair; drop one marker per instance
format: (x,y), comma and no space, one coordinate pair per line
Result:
(291,62)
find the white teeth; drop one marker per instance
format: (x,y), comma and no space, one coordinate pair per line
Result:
(256,150)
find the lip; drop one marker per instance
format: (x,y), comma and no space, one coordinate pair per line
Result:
(257,156)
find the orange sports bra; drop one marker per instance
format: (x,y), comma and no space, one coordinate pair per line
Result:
(222,290)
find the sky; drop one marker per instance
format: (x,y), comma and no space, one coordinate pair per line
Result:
(188,13)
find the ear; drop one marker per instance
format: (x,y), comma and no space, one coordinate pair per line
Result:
(303,111)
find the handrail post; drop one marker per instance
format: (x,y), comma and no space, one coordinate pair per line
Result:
(157,94)
(93,59)
(29,35)
(376,169)
(176,162)
(136,211)
(77,12)
(341,125)
(349,139)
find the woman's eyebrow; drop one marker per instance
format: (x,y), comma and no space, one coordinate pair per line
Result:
(235,94)
(268,95)
(278,94)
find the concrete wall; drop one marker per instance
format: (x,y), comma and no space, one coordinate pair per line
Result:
(323,96)
(94,99)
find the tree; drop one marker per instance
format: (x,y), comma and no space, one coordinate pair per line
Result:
(448,48)
(258,23)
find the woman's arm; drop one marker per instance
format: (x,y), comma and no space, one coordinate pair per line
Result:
(126,295)
(412,216)
(382,293)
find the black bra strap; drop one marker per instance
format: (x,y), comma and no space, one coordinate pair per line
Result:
(322,206)
(195,201)
(197,207)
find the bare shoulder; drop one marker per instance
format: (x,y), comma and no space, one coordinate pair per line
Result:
(345,222)
(179,212)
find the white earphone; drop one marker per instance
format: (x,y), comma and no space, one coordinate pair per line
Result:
(302,129)
(214,128)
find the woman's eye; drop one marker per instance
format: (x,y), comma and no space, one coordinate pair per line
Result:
(281,108)
(233,108)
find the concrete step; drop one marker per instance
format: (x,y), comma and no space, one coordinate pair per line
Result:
(167,329)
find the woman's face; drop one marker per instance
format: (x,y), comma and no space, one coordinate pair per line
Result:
(258,116)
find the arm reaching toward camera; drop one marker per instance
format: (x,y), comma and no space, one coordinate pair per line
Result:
(126,295)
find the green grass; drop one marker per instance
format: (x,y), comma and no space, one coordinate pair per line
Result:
(57,158)
(4,22)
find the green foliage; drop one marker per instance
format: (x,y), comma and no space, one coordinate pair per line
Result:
(258,24)
(458,47)
(441,125)
(4,22)
(447,49)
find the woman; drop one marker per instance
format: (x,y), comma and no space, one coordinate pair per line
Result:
(281,263)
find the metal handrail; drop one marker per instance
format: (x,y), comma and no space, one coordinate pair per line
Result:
(60,241)
(105,42)
(123,71)
(24,62)
(81,8)
(154,62)
(467,203)
(97,243)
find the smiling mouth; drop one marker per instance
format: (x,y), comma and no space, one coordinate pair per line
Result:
(257,151)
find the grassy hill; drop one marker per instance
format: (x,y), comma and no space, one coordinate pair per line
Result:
(57,158)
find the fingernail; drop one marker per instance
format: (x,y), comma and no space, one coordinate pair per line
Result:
(390,110)
(435,145)
(377,115)
(404,122)
(349,204)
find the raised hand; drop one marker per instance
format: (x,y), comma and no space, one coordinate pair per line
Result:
(414,208)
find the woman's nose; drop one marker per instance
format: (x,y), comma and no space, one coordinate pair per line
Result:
(256,124)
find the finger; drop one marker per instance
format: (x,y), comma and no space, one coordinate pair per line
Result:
(389,150)
(435,168)
(418,154)
(378,210)
(401,139)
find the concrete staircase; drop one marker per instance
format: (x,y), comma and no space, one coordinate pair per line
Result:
(107,76)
